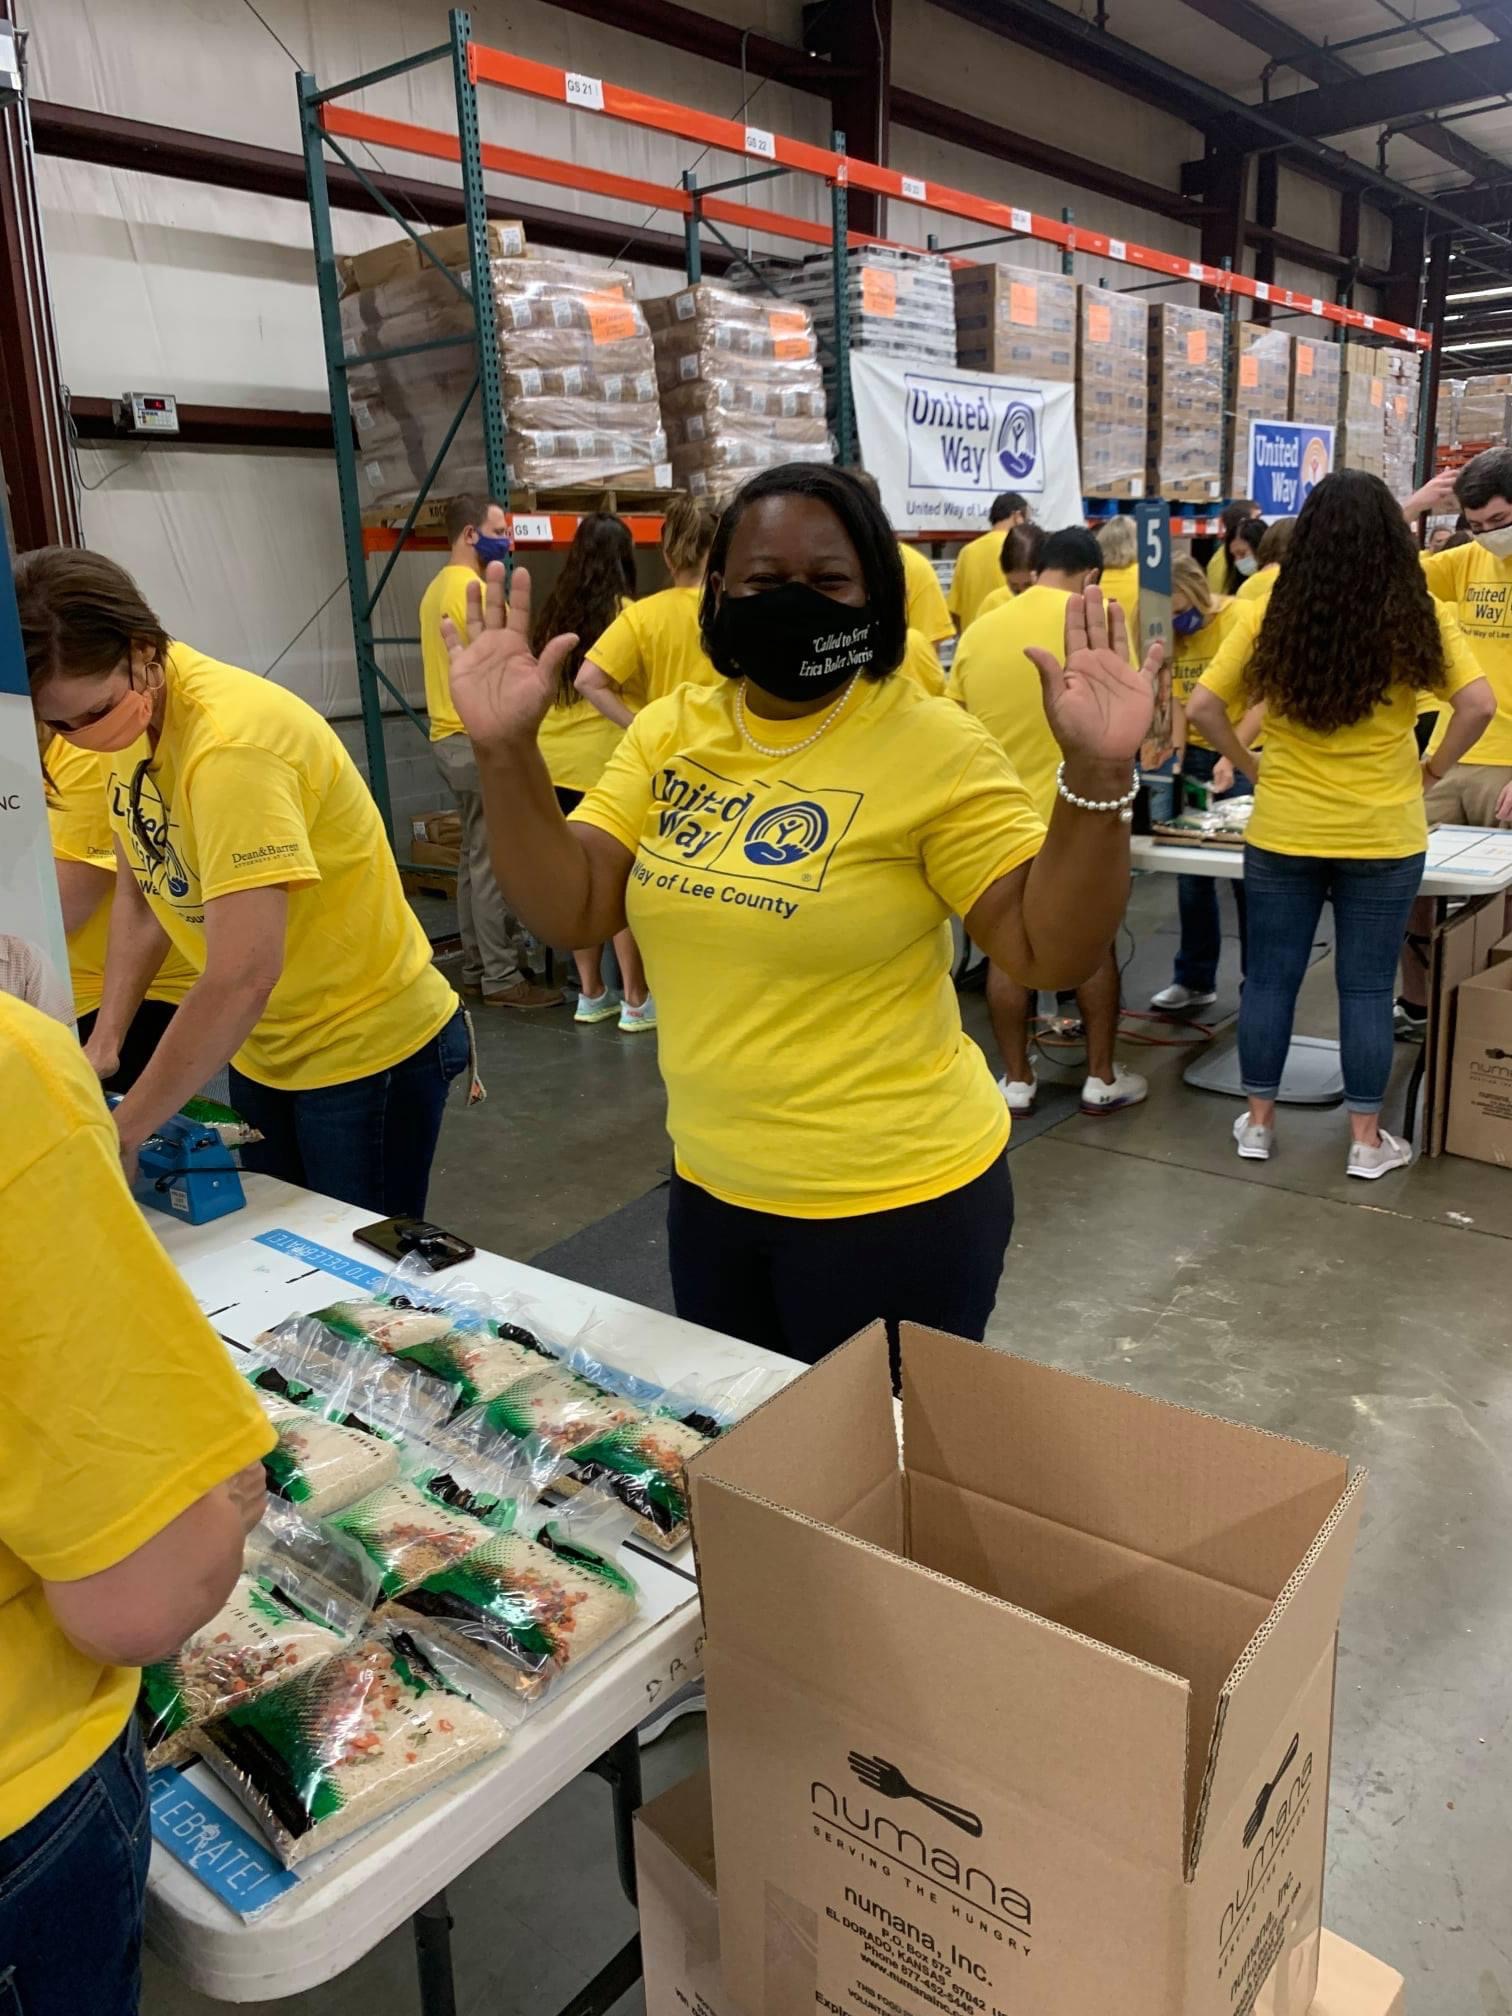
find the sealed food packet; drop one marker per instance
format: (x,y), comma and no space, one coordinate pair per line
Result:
(232,1129)
(524,1610)
(319,1465)
(446,1506)
(377,1725)
(558,1406)
(391,1326)
(299,1598)
(349,1379)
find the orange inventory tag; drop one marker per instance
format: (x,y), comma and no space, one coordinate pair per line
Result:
(611,319)
(879,292)
(1249,372)
(792,346)
(1401,405)
(1023,304)
(1304,360)
(1099,322)
(1377,392)
(788,322)
(1197,351)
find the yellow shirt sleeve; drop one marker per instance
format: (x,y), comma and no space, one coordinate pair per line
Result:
(121,1406)
(987,827)
(1461,665)
(1225,672)
(619,802)
(927,611)
(247,815)
(618,652)
(921,663)
(1444,573)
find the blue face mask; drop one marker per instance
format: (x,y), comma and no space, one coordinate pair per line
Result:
(490,548)
(1186,621)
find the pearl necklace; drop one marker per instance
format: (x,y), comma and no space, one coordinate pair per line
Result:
(791,748)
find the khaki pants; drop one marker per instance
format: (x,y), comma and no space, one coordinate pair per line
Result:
(1468,795)
(492,939)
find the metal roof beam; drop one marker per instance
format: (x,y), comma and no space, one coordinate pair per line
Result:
(1387,96)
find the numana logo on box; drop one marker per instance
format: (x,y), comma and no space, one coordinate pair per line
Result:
(859,1815)
(1268,1829)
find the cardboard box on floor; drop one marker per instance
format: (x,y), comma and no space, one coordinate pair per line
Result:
(679,1912)
(1480,1072)
(1501,950)
(1037,1721)
(1465,947)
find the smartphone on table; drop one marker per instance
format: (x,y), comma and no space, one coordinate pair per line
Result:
(402,1238)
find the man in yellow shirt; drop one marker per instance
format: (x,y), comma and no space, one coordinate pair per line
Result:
(129,1479)
(978,569)
(250,843)
(994,679)
(492,970)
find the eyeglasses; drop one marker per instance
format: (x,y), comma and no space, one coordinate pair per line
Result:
(140,832)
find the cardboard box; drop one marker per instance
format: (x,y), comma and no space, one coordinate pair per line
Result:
(1185,449)
(1315,381)
(397,261)
(1461,948)
(1037,1719)
(1112,391)
(1480,1077)
(445,828)
(1016,319)
(1351,1983)
(435,854)
(679,1908)
(1261,391)
(1502,949)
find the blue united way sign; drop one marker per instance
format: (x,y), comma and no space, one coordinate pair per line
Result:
(1287,461)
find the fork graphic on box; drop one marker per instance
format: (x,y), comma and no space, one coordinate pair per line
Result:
(877,1775)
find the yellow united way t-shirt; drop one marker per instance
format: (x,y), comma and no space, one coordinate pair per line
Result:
(575,740)
(793,914)
(927,612)
(652,647)
(921,663)
(1349,793)
(250,789)
(1196,651)
(446,596)
(1478,587)
(995,682)
(1121,585)
(1259,585)
(978,574)
(120,1406)
(78,820)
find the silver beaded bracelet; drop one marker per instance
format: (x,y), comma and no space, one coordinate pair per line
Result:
(1122,806)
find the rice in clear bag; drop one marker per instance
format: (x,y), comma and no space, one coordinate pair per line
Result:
(644,1464)
(299,1598)
(558,1406)
(522,1610)
(320,1465)
(374,1727)
(446,1505)
(392,1327)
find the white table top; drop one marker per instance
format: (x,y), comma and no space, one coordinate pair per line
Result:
(340,1912)
(1462,860)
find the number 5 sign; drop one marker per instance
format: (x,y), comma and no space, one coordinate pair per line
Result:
(1152,527)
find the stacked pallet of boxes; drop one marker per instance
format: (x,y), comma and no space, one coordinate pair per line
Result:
(900,304)
(1262,391)
(578,372)
(1473,413)
(1404,370)
(1315,382)
(1112,391)
(1017,321)
(740,383)
(1185,458)
(1362,411)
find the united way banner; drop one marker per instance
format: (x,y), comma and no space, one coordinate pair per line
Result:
(1287,461)
(944,443)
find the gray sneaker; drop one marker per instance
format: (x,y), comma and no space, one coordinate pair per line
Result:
(1389,1153)
(1254,1141)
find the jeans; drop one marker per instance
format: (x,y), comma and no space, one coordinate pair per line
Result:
(1371,901)
(369,1142)
(73,1890)
(801,1286)
(1197,898)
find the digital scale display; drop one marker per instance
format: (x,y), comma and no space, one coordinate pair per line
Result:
(149,413)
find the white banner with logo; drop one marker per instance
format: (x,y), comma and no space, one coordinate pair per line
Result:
(943,443)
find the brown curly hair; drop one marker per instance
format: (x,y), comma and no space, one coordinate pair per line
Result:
(1350,615)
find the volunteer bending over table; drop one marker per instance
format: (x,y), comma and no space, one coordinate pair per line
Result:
(1350,636)
(129,1479)
(789,847)
(248,841)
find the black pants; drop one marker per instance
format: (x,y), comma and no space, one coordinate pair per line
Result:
(139,1043)
(801,1286)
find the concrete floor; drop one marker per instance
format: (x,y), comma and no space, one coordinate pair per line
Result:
(1371,1318)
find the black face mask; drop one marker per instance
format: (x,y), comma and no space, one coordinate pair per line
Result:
(792,642)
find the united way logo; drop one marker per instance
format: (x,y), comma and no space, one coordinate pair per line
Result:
(787,833)
(1018,440)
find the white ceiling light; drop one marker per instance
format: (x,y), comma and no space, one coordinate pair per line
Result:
(1480,294)
(1482,343)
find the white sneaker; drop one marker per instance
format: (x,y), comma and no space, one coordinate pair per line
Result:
(597,1007)
(1179,1000)
(1388,1154)
(1255,1142)
(1126,1088)
(1021,1094)
(633,1019)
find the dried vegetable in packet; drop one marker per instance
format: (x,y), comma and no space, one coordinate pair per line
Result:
(391,1326)
(559,1407)
(210,1114)
(319,1465)
(522,1610)
(374,1727)
(346,1377)
(445,1507)
(644,1463)
(297,1600)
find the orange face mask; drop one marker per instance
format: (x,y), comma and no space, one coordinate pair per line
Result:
(126,722)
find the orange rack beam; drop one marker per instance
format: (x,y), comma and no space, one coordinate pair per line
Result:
(527,529)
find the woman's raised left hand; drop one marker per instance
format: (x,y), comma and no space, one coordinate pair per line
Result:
(1098,704)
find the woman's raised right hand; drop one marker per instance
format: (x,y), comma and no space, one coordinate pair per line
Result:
(500,688)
